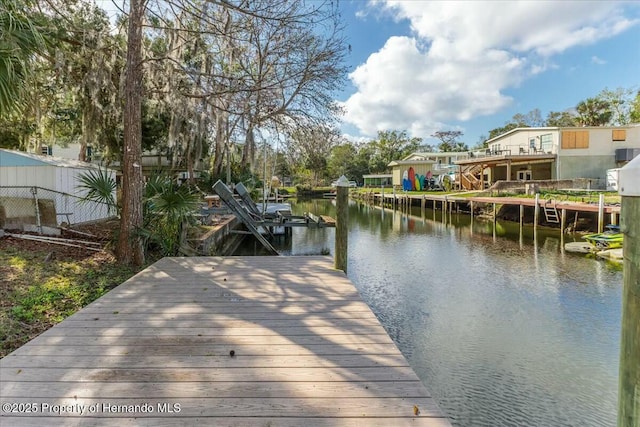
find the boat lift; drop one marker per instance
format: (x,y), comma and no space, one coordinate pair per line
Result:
(254,220)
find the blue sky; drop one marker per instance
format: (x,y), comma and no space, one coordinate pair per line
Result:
(424,66)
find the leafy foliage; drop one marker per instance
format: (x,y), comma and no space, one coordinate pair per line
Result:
(560,119)
(100,187)
(389,146)
(22,36)
(449,141)
(168,211)
(594,112)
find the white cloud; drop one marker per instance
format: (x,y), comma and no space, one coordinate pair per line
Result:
(462,56)
(597,60)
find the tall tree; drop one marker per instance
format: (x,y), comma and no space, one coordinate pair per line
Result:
(594,112)
(130,248)
(634,113)
(532,119)
(502,129)
(620,102)
(389,146)
(449,140)
(312,144)
(342,161)
(560,119)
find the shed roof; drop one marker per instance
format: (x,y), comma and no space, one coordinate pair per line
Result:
(435,154)
(20,158)
(411,162)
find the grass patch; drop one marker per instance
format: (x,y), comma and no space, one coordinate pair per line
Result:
(586,196)
(35,295)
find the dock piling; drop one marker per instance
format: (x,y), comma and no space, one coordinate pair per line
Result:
(629,375)
(600,213)
(536,211)
(342,220)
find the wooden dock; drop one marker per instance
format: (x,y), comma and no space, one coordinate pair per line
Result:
(233,341)
(436,201)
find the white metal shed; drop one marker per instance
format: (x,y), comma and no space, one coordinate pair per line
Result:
(26,177)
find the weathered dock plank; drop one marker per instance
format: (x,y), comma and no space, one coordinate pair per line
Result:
(230,341)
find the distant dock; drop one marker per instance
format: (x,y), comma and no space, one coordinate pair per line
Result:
(555,211)
(224,341)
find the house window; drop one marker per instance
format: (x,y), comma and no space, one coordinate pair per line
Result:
(619,134)
(546,142)
(575,139)
(524,175)
(532,144)
(46,150)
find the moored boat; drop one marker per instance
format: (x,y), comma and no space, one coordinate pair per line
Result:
(579,247)
(610,239)
(614,255)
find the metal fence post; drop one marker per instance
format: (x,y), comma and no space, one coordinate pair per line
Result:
(34,191)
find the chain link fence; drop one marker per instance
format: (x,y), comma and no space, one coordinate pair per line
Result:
(37,208)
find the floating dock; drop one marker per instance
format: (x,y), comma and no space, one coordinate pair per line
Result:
(224,341)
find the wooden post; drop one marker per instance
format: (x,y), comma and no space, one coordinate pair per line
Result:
(600,213)
(423,203)
(521,216)
(494,216)
(381,197)
(614,218)
(393,203)
(629,376)
(342,220)
(536,211)
(563,221)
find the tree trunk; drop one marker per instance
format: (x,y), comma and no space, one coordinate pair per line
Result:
(130,249)
(82,154)
(221,126)
(249,151)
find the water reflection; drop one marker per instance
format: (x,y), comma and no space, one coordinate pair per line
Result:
(502,325)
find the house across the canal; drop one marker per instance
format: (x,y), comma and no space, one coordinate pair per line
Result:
(377,180)
(551,153)
(438,163)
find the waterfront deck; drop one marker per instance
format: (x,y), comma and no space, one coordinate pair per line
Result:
(235,341)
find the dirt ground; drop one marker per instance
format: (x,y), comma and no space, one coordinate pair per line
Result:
(43,258)
(98,232)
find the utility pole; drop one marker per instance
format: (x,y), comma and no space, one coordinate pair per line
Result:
(629,376)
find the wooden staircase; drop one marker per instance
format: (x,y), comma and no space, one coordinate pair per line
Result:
(469,180)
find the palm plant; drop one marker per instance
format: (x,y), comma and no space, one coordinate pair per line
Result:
(168,211)
(21,37)
(100,187)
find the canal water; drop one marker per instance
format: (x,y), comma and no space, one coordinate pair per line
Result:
(503,327)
